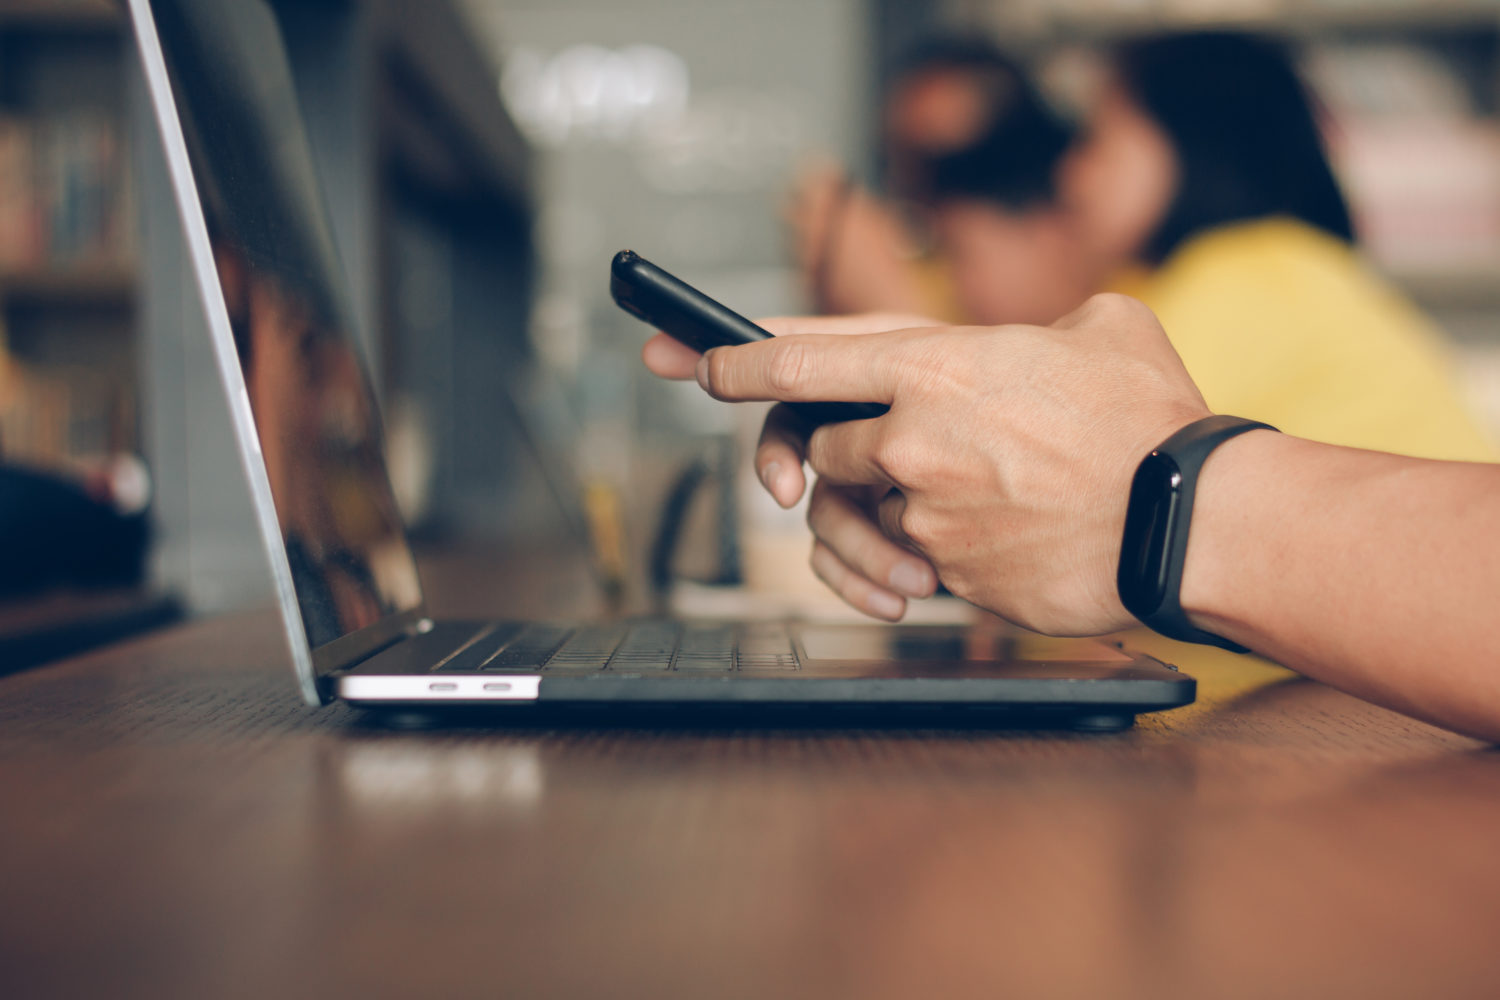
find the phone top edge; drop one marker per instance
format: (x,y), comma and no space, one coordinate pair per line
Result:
(625,257)
(662,299)
(687,315)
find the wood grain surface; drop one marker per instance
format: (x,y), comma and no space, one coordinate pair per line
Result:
(174,823)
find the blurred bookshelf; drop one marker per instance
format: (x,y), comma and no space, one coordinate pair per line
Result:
(70,282)
(103,344)
(69,15)
(68,277)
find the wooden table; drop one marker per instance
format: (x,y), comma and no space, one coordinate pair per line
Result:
(174,823)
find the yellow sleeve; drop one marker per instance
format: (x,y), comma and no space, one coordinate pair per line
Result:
(1281,324)
(935,286)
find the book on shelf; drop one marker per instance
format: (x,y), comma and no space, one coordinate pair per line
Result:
(65,194)
(65,210)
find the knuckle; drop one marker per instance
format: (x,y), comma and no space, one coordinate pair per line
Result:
(820,454)
(817,504)
(918,527)
(961,585)
(821,572)
(815,562)
(719,368)
(780,435)
(826,568)
(789,366)
(1117,308)
(815,514)
(925,361)
(815,450)
(1107,302)
(901,456)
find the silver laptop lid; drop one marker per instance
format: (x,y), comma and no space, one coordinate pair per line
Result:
(305,420)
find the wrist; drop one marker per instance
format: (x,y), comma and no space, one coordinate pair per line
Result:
(1156,541)
(1224,536)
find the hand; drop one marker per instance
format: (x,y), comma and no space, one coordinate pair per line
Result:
(785,480)
(672,359)
(1005,460)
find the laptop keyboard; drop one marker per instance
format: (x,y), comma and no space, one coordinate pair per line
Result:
(634,647)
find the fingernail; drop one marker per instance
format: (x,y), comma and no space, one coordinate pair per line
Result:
(702,372)
(911,580)
(886,605)
(769,475)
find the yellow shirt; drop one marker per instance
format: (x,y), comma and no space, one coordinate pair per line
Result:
(934,284)
(1277,321)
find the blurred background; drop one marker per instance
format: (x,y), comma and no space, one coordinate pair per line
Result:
(483,159)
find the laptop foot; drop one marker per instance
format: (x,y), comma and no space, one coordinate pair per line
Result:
(402,719)
(1105,722)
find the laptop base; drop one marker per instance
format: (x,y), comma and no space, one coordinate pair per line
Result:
(655,672)
(887,718)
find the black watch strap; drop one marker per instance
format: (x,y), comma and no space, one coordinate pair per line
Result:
(1153,550)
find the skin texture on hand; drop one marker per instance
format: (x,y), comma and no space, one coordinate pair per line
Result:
(842,518)
(1375,573)
(1004,462)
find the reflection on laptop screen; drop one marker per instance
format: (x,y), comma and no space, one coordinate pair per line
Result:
(319,429)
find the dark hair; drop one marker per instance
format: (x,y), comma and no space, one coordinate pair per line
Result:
(1013,161)
(1242,125)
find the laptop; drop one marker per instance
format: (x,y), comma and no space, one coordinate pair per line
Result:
(309,435)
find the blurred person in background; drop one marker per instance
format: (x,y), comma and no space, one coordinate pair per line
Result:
(1201,184)
(961,96)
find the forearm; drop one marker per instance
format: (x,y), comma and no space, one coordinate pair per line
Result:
(1371,572)
(1005,459)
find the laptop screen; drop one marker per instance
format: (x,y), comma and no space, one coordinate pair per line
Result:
(319,429)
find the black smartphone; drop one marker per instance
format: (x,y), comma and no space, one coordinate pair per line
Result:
(688,316)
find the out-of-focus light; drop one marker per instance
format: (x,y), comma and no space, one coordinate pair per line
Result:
(592,93)
(728,140)
(397,777)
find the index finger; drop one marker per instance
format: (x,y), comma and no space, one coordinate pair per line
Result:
(669,358)
(782,326)
(805,368)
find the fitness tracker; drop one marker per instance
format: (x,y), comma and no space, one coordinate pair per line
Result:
(1154,548)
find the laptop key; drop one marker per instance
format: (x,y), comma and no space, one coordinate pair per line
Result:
(627,648)
(765,647)
(705,648)
(648,646)
(588,650)
(530,648)
(477,648)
